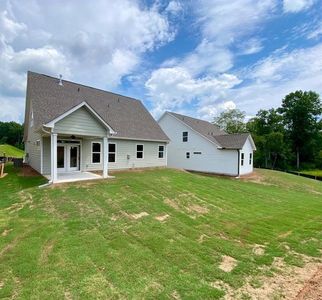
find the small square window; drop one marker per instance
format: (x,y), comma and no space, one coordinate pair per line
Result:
(161,151)
(242,156)
(139,151)
(185,136)
(187,154)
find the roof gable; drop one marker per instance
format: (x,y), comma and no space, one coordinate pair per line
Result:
(214,134)
(126,116)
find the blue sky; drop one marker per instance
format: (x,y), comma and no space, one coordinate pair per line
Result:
(192,57)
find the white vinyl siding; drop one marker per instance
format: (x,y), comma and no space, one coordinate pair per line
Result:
(247,150)
(32,149)
(80,122)
(126,155)
(208,157)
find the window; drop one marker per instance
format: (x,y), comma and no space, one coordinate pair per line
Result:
(111,152)
(139,151)
(96,152)
(198,152)
(161,151)
(185,136)
(187,154)
(38,143)
(242,159)
(250,158)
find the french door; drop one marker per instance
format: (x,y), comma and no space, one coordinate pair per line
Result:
(68,158)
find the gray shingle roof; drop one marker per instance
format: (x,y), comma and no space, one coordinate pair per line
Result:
(127,116)
(214,133)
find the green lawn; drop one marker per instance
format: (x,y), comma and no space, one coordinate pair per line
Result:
(87,240)
(11,151)
(313,172)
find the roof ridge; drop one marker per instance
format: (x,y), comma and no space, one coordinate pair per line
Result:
(86,86)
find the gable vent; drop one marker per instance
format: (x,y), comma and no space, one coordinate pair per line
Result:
(60,80)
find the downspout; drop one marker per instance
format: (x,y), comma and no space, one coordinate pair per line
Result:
(50,181)
(238,153)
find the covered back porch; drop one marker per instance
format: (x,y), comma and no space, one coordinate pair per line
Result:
(74,145)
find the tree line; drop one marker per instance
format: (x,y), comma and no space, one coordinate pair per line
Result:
(11,133)
(286,137)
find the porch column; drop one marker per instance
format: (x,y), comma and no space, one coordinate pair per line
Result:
(53,155)
(105,157)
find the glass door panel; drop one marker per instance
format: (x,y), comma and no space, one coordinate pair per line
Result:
(73,157)
(60,157)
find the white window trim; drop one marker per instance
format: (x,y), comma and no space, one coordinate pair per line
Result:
(96,163)
(136,151)
(242,158)
(108,152)
(187,136)
(161,151)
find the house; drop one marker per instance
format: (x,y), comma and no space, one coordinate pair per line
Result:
(201,146)
(72,130)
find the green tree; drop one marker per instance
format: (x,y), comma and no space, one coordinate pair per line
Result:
(300,111)
(231,120)
(268,133)
(11,133)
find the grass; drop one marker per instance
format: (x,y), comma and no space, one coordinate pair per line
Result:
(313,172)
(11,151)
(82,240)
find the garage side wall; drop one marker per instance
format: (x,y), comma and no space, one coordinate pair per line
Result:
(204,155)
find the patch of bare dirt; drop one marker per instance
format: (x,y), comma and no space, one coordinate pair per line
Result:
(26,198)
(228,263)
(6,232)
(198,209)
(202,238)
(175,295)
(47,249)
(28,171)
(68,295)
(171,203)
(255,177)
(139,215)
(258,250)
(162,218)
(312,289)
(285,234)
(289,282)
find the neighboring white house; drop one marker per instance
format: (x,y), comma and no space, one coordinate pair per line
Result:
(201,146)
(71,130)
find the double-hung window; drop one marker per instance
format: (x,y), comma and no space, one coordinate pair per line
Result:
(96,152)
(111,152)
(250,158)
(242,159)
(187,154)
(139,151)
(161,151)
(185,136)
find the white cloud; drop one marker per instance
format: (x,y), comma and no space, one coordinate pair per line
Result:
(293,6)
(106,39)
(277,75)
(223,24)
(174,88)
(316,32)
(250,46)
(174,7)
